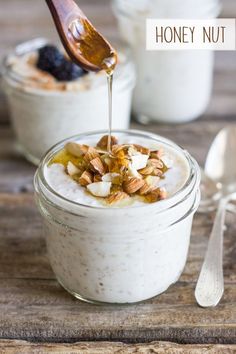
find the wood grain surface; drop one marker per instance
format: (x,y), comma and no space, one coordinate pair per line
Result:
(22,347)
(34,307)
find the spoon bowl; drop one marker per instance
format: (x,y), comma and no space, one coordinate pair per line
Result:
(83,43)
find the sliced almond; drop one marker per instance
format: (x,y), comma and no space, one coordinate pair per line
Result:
(97,165)
(72,169)
(99,189)
(151,183)
(139,161)
(142,149)
(153,196)
(145,189)
(75,149)
(156,194)
(132,185)
(116,148)
(156,163)
(103,142)
(91,154)
(86,178)
(146,170)
(117,197)
(157,172)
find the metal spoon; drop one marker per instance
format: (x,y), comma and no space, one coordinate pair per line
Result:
(220,167)
(83,43)
(210,195)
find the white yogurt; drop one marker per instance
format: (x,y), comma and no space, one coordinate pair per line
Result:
(44,111)
(117,255)
(172,86)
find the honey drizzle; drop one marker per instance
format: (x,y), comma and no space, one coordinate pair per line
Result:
(109,84)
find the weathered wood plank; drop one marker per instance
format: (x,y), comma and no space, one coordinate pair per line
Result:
(23,252)
(33,306)
(22,347)
(39,310)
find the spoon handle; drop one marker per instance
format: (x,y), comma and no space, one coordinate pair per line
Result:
(210,284)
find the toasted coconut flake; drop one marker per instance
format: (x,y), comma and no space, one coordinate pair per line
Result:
(97,165)
(139,161)
(117,197)
(133,172)
(72,169)
(86,178)
(75,149)
(99,189)
(109,177)
(132,185)
(103,142)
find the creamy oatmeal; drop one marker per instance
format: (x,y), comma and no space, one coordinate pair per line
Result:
(100,252)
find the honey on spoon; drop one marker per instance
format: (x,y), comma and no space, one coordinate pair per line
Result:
(84,44)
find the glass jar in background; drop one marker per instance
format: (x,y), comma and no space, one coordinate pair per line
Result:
(43,113)
(118,255)
(172,86)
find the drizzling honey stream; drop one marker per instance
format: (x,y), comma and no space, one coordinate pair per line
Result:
(84,44)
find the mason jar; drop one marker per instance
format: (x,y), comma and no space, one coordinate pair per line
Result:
(172,86)
(115,254)
(42,114)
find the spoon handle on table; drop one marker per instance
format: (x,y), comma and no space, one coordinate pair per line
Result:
(210,284)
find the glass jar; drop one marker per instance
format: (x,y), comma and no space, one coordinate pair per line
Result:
(172,86)
(43,114)
(118,255)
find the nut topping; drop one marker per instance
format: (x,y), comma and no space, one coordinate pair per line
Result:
(91,154)
(97,165)
(116,197)
(72,169)
(130,169)
(133,185)
(103,142)
(85,179)
(76,149)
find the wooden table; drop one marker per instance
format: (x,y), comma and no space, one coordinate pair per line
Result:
(34,308)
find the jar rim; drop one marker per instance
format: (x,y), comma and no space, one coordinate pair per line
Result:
(27,86)
(212,11)
(191,183)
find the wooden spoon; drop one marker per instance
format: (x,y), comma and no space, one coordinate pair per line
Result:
(82,42)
